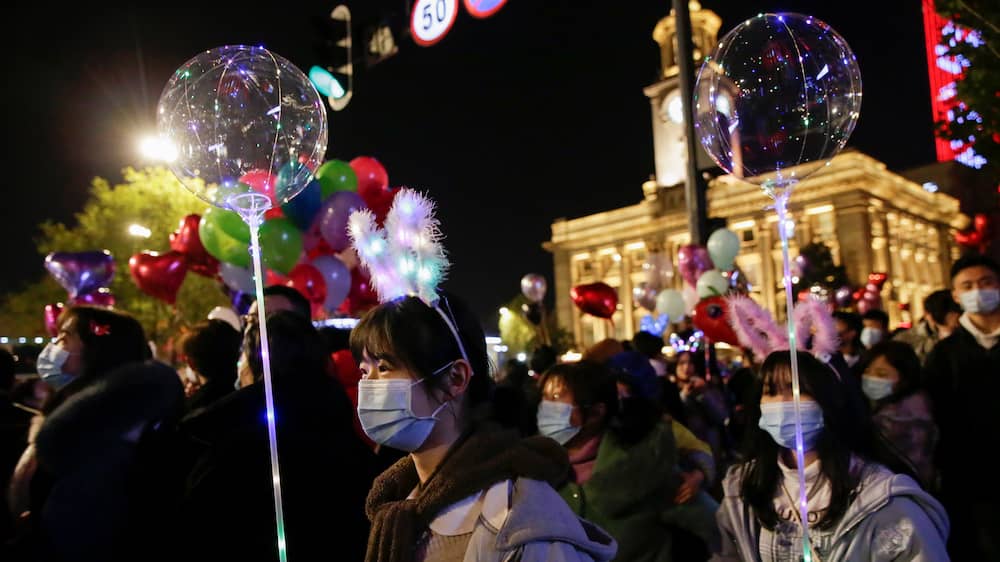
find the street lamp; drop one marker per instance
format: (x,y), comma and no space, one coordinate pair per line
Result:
(158,149)
(139,231)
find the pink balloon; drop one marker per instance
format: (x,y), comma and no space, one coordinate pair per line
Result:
(692,261)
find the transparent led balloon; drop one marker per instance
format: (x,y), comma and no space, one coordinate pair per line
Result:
(778,99)
(243,121)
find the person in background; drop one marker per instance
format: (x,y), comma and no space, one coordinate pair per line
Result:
(280,297)
(624,460)
(325,469)
(849,326)
(862,503)
(651,346)
(210,350)
(961,377)
(940,319)
(15,419)
(516,397)
(705,410)
(468,489)
(875,327)
(890,380)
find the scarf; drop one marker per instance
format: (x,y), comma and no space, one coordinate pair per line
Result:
(474,463)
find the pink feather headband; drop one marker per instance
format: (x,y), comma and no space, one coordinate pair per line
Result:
(815,331)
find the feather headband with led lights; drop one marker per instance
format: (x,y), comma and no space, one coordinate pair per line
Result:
(815,331)
(405,258)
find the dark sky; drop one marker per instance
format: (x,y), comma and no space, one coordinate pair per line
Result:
(509,122)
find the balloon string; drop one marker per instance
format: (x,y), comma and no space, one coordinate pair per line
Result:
(254,217)
(781,207)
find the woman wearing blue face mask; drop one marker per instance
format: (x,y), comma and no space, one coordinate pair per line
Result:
(467,489)
(862,502)
(900,408)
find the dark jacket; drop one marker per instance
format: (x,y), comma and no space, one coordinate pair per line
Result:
(212,391)
(325,474)
(100,492)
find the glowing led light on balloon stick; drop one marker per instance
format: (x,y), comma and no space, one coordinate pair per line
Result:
(781,207)
(251,207)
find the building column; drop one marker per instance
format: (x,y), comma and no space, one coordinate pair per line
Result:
(625,271)
(854,234)
(563,282)
(768,277)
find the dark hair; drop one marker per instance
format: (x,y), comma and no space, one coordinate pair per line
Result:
(853,322)
(296,349)
(847,430)
(648,344)
(408,333)
(542,358)
(878,315)
(697,359)
(6,370)
(110,338)
(973,259)
(299,303)
(212,348)
(336,339)
(939,303)
(593,383)
(902,358)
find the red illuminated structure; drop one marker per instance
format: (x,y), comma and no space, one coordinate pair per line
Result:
(945,71)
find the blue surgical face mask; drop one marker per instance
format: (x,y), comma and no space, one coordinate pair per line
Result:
(385,409)
(871,336)
(876,388)
(553,421)
(778,419)
(50,363)
(980,301)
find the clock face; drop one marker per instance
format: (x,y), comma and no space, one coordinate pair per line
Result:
(671,108)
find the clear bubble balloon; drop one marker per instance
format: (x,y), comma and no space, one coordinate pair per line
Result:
(777,100)
(243,121)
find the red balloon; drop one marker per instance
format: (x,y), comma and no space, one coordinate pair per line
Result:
(272,277)
(307,280)
(979,238)
(187,241)
(598,299)
(711,317)
(373,185)
(361,297)
(159,275)
(52,312)
(878,279)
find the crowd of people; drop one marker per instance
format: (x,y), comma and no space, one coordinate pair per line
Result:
(399,441)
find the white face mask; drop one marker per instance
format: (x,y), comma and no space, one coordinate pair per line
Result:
(871,336)
(385,409)
(980,301)
(553,421)
(49,365)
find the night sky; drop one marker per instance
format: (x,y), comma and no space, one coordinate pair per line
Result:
(508,123)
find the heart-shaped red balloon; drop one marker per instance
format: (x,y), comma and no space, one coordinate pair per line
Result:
(711,317)
(187,241)
(52,312)
(598,299)
(159,275)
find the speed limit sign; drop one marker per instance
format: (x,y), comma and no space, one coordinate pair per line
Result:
(432,19)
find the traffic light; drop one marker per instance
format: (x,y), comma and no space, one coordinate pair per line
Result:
(336,80)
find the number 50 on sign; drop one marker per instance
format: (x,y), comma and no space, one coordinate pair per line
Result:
(432,19)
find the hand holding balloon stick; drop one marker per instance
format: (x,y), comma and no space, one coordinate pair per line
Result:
(249,129)
(775,102)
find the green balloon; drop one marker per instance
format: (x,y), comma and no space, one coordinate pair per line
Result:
(280,244)
(336,175)
(220,245)
(228,222)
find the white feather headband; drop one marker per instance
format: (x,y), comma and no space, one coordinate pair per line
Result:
(405,258)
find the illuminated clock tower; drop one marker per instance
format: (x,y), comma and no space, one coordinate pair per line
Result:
(668,117)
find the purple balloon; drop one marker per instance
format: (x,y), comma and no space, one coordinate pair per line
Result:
(842,296)
(100,297)
(692,261)
(337,277)
(333,215)
(81,273)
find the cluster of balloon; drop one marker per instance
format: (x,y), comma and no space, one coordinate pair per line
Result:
(85,276)
(979,237)
(774,103)
(250,132)
(869,297)
(658,272)
(709,272)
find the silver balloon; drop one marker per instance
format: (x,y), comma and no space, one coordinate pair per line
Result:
(533,287)
(645,296)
